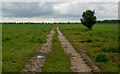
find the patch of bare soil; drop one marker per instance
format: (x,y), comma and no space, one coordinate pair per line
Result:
(77,63)
(37,61)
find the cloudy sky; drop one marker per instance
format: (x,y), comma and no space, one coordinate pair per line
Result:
(56,11)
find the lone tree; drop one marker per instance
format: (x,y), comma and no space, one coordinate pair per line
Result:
(88,19)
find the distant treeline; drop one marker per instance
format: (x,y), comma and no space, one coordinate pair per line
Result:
(108,21)
(40,23)
(98,21)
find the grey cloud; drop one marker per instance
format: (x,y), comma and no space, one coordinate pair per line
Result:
(119,10)
(26,9)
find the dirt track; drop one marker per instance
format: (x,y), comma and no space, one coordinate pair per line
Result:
(35,64)
(77,63)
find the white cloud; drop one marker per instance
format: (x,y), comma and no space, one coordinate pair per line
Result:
(103,10)
(60,0)
(60,19)
(119,10)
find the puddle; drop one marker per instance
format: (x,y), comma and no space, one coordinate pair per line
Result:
(41,56)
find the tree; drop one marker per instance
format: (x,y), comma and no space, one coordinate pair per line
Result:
(88,19)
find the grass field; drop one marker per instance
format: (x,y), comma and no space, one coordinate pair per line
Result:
(19,42)
(103,39)
(0,48)
(57,60)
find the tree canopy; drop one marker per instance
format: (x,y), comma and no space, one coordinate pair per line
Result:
(88,19)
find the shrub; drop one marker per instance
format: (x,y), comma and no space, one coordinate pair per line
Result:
(40,40)
(33,38)
(7,39)
(110,49)
(105,49)
(101,58)
(77,33)
(54,40)
(88,40)
(90,34)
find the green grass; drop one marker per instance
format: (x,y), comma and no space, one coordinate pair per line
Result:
(19,42)
(57,60)
(0,48)
(102,39)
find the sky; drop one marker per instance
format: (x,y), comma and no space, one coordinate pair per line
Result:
(56,11)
